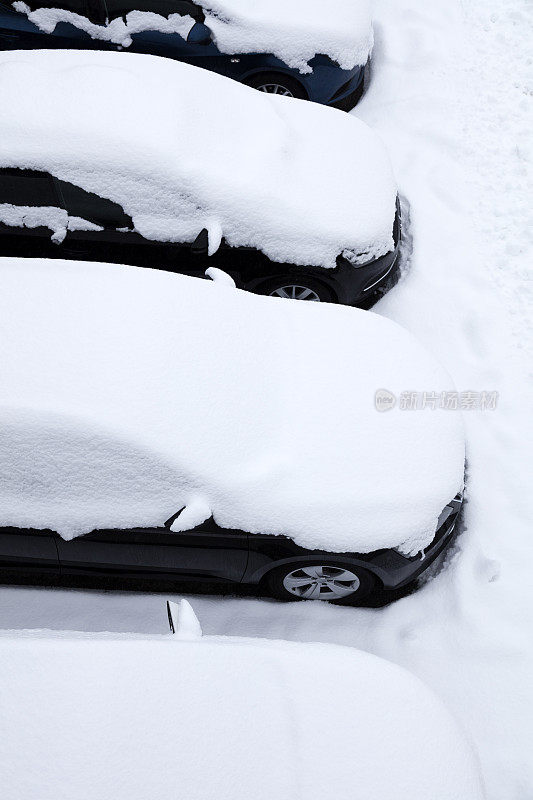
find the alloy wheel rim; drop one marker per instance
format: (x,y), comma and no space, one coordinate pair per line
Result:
(321,582)
(295,292)
(275,88)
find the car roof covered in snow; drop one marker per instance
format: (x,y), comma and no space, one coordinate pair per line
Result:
(126,716)
(182,149)
(129,393)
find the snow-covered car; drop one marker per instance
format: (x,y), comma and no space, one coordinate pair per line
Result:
(278,46)
(121,716)
(141,160)
(156,425)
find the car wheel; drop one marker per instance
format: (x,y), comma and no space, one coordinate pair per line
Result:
(277,83)
(294,288)
(322,581)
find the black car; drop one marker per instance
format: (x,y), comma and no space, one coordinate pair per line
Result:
(210,553)
(326,83)
(114,239)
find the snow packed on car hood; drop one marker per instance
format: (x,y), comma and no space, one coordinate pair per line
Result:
(129,393)
(220,717)
(293,30)
(182,149)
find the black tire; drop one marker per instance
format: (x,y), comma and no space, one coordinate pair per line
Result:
(318,291)
(290,85)
(274,582)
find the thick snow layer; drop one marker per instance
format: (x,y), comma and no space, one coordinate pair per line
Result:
(129,393)
(293,30)
(183,149)
(119,30)
(92,717)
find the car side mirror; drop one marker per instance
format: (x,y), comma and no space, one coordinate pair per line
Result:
(200,34)
(168,522)
(190,516)
(200,246)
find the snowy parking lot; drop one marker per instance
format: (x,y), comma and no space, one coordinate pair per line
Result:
(447,92)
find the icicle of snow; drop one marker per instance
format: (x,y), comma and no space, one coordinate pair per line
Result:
(219,276)
(184,623)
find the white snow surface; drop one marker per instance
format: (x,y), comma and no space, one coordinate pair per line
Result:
(94,717)
(182,149)
(293,30)
(129,393)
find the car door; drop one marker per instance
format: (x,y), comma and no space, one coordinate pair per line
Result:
(94,223)
(28,550)
(168,45)
(18,33)
(207,552)
(110,235)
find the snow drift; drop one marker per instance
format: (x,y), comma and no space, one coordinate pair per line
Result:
(220,718)
(129,393)
(182,149)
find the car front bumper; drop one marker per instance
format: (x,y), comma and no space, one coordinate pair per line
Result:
(396,570)
(349,94)
(330,85)
(360,286)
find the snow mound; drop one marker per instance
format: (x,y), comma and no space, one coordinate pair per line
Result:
(294,31)
(127,394)
(183,149)
(220,717)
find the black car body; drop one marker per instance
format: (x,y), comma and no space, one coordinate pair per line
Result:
(327,83)
(118,242)
(210,553)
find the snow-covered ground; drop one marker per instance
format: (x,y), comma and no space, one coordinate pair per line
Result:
(447,94)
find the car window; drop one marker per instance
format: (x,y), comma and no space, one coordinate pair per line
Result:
(25,187)
(118,8)
(93,208)
(76,6)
